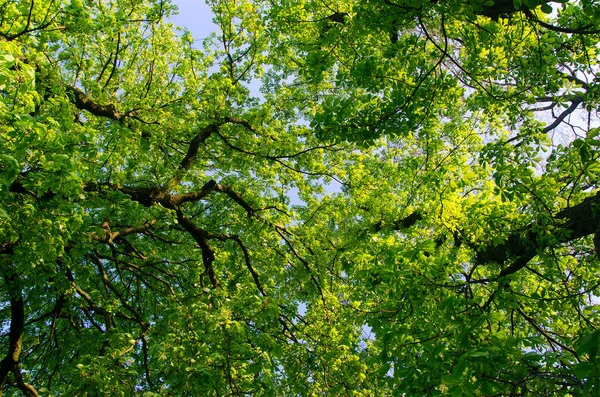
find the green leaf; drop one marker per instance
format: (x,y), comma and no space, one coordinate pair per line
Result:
(546,8)
(583,370)
(593,133)
(589,345)
(454,379)
(533,356)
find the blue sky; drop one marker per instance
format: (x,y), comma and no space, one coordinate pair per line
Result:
(195,15)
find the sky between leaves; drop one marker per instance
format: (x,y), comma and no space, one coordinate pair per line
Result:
(195,15)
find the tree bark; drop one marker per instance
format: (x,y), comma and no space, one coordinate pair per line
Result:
(520,247)
(17,324)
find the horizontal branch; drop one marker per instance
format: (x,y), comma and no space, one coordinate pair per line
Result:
(403,223)
(568,225)
(111,236)
(83,102)
(560,29)
(204,191)
(148,196)
(500,8)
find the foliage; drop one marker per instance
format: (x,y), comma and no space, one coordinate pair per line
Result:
(409,207)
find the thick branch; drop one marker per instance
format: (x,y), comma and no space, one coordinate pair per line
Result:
(17,325)
(146,361)
(597,240)
(568,225)
(191,154)
(84,102)
(199,235)
(403,223)
(7,248)
(147,196)
(26,388)
(202,236)
(202,136)
(197,195)
(235,197)
(500,8)
(195,143)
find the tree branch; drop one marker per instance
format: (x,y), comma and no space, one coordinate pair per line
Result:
(249,265)
(195,143)
(90,300)
(26,388)
(111,236)
(146,361)
(204,191)
(568,225)
(403,223)
(560,29)
(574,103)
(17,326)
(84,102)
(235,197)
(199,235)
(136,314)
(499,8)
(10,363)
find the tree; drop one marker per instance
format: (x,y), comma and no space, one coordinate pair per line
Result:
(445,235)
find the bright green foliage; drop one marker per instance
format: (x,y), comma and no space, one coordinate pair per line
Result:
(410,207)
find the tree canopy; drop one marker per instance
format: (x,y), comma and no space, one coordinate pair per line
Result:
(409,206)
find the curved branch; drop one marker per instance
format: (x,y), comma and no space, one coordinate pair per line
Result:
(199,235)
(249,265)
(26,388)
(204,191)
(550,339)
(403,223)
(136,314)
(147,196)
(560,29)
(195,143)
(83,102)
(568,225)
(275,158)
(304,262)
(574,104)
(27,28)
(235,197)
